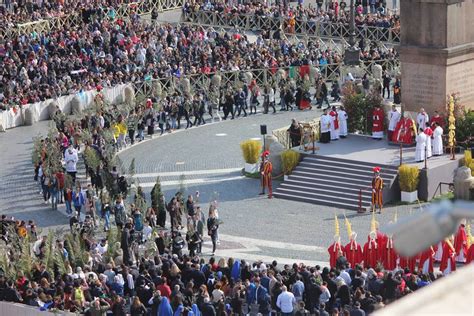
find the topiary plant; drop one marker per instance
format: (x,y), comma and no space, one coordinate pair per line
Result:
(408,178)
(289,160)
(251,150)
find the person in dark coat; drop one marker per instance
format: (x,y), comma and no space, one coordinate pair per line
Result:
(125,245)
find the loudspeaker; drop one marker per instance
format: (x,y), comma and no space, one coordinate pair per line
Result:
(263,129)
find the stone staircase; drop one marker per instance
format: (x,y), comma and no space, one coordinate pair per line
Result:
(336,182)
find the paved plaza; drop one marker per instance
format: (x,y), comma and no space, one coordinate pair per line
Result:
(209,160)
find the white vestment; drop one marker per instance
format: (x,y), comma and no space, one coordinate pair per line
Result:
(439,253)
(438,141)
(342,116)
(420,147)
(422,119)
(394,118)
(428,146)
(326,121)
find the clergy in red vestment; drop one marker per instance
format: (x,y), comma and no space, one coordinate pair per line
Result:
(335,251)
(377,123)
(470,254)
(426,260)
(460,243)
(371,251)
(409,262)
(388,254)
(353,251)
(404,131)
(436,118)
(448,263)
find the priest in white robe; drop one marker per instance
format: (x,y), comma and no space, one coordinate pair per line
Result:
(394,116)
(325,122)
(437,140)
(342,115)
(420,146)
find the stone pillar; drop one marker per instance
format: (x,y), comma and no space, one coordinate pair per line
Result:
(436,52)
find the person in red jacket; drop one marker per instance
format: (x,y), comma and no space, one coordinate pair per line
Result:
(335,251)
(448,263)
(353,251)
(460,243)
(371,251)
(426,260)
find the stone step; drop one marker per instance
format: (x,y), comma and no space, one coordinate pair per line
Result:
(332,196)
(319,201)
(311,179)
(328,169)
(324,187)
(342,178)
(353,163)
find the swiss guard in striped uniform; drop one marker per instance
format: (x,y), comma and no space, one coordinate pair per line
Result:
(266,169)
(377,190)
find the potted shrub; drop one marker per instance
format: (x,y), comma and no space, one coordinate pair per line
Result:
(251,152)
(408,178)
(289,161)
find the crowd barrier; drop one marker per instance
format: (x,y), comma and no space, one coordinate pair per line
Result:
(74,20)
(198,82)
(15,117)
(7,308)
(251,22)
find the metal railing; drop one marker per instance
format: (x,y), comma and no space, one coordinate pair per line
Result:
(68,21)
(304,27)
(263,77)
(440,188)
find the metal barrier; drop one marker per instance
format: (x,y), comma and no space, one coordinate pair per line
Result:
(263,77)
(335,30)
(124,12)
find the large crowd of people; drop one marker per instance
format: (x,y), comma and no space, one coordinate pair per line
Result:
(373,13)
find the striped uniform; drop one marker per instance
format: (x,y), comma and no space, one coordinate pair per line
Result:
(377,186)
(267,169)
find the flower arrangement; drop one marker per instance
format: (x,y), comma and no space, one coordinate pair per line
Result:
(251,150)
(408,178)
(289,160)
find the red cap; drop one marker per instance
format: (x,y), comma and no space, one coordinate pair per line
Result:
(377,169)
(266,153)
(99,87)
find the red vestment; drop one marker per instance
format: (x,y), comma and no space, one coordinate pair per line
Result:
(388,255)
(427,255)
(404,131)
(470,254)
(377,120)
(353,253)
(409,263)
(335,250)
(437,119)
(448,256)
(371,254)
(460,242)
(336,121)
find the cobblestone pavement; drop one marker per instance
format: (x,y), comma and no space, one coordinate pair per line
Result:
(210,158)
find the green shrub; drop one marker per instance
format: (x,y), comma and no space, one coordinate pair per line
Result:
(289,160)
(251,150)
(408,178)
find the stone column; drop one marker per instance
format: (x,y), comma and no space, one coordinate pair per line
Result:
(436,52)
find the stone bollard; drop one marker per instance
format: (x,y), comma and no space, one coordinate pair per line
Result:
(53,107)
(76,105)
(129,95)
(463,183)
(275,148)
(31,116)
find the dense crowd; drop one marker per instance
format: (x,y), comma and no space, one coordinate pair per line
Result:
(20,11)
(367,14)
(36,68)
